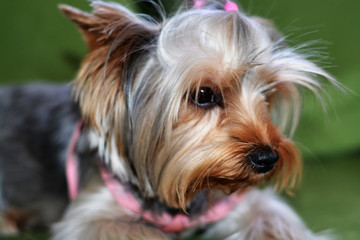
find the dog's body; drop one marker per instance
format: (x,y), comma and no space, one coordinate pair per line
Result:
(36,124)
(184,116)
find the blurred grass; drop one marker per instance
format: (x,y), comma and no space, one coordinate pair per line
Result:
(329,197)
(38,44)
(29,236)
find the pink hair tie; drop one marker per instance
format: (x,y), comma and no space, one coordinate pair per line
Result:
(231,7)
(199,4)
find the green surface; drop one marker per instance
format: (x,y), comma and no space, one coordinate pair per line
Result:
(29,236)
(329,197)
(38,43)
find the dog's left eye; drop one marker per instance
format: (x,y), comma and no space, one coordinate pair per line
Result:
(206,98)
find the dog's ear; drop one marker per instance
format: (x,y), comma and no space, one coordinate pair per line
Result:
(107,22)
(117,40)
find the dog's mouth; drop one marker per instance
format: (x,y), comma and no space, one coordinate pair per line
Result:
(251,173)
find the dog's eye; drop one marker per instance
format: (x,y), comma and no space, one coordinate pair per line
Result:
(206,98)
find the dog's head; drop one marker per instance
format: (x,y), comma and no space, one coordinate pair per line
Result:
(204,100)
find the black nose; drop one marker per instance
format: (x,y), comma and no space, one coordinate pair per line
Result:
(263,159)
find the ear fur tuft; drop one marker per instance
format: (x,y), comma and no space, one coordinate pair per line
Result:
(105,23)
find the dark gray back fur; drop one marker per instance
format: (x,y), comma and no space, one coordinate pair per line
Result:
(36,123)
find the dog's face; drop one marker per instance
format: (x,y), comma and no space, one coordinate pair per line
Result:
(201,101)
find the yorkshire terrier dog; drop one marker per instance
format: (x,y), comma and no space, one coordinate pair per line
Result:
(165,132)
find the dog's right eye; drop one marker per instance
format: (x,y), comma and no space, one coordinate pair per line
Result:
(206,98)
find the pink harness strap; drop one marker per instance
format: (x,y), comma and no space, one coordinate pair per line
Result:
(165,221)
(71,166)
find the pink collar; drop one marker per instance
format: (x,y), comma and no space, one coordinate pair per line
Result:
(165,222)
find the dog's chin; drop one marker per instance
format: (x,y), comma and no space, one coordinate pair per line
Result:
(216,186)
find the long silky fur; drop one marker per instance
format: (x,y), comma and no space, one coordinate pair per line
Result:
(135,86)
(132,84)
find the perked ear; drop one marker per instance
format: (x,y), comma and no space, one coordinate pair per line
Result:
(116,38)
(104,24)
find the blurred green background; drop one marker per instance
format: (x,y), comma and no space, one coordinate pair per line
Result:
(38,44)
